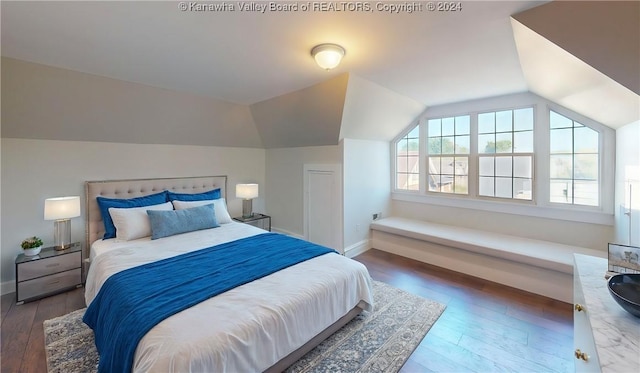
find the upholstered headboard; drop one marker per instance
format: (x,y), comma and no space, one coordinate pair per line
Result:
(136,188)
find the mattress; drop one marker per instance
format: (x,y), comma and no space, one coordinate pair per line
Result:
(246,329)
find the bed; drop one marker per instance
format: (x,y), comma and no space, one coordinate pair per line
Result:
(262,325)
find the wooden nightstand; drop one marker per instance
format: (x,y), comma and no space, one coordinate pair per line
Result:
(48,273)
(257,220)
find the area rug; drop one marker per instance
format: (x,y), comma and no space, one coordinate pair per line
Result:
(378,341)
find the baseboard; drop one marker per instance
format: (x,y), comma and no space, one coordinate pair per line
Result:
(288,233)
(8,287)
(357,248)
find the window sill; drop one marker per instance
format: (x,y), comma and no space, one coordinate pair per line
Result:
(548,212)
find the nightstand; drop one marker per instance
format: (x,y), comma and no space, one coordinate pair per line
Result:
(257,220)
(48,273)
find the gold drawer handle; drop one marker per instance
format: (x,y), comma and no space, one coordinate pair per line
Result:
(578,307)
(581,355)
(53,282)
(53,265)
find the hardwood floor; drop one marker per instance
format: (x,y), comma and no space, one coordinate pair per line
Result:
(486,327)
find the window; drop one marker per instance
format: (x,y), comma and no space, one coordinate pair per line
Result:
(408,161)
(574,156)
(518,154)
(505,154)
(448,154)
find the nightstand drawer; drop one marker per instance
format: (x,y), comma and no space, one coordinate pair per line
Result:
(43,267)
(49,284)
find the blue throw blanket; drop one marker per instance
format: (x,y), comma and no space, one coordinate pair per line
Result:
(133,301)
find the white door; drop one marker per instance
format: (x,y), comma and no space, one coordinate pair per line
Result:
(322,192)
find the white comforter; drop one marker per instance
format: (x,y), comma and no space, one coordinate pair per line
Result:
(247,329)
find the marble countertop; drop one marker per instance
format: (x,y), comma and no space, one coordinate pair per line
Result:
(615,331)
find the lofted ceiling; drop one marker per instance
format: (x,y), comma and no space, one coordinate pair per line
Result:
(257,66)
(246,57)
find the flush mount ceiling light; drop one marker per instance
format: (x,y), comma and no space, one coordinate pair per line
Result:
(328,56)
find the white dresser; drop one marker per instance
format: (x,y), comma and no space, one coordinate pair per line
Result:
(606,337)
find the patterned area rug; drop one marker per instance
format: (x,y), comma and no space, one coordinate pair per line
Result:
(378,341)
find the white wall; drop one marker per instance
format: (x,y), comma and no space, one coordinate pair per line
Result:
(284,183)
(367,187)
(33,170)
(627,172)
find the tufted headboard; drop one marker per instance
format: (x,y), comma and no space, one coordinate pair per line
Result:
(136,188)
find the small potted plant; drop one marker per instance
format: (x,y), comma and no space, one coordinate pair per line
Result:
(32,246)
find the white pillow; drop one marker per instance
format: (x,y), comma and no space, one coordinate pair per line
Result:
(133,223)
(219,207)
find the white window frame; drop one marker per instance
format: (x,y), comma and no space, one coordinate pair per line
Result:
(539,206)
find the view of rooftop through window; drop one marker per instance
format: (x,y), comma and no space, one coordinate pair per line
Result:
(408,161)
(448,159)
(574,170)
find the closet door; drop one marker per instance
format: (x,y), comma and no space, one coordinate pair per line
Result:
(322,205)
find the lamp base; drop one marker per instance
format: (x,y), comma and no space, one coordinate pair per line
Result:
(247,207)
(62,234)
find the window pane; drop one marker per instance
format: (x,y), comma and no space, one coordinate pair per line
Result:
(561,191)
(559,121)
(434,183)
(413,145)
(585,167)
(448,145)
(486,186)
(561,141)
(415,132)
(522,189)
(522,167)
(461,185)
(486,144)
(504,143)
(448,128)
(561,167)
(413,182)
(503,166)
(585,140)
(585,193)
(504,187)
(401,181)
(462,166)
(434,127)
(447,166)
(401,164)
(401,147)
(463,144)
(523,142)
(435,145)
(486,123)
(523,119)
(434,165)
(504,121)
(486,166)
(463,125)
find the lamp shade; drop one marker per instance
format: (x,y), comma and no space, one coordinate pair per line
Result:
(61,208)
(247,191)
(328,56)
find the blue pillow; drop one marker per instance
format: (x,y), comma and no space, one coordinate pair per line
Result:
(169,223)
(212,194)
(105,203)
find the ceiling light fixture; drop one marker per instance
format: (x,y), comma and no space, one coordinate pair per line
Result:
(328,56)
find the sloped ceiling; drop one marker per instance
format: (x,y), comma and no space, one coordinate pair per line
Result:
(308,117)
(584,56)
(603,34)
(373,112)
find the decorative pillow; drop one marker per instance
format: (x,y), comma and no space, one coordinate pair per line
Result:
(169,223)
(132,223)
(219,205)
(212,194)
(106,203)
